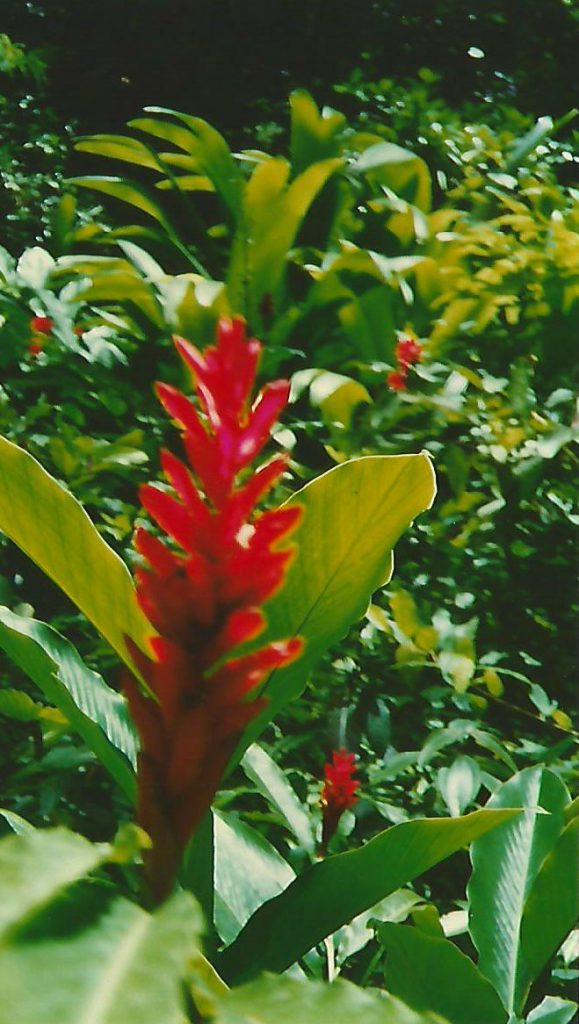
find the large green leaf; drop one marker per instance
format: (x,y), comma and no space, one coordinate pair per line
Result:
(553,905)
(98,713)
(248,870)
(353,516)
(552,1010)
(461,993)
(336,890)
(53,529)
(313,136)
(119,147)
(214,157)
(274,786)
(505,866)
(36,865)
(95,959)
(128,192)
(399,170)
(272,1000)
(273,211)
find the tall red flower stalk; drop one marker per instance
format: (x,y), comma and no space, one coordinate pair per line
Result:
(203,592)
(338,792)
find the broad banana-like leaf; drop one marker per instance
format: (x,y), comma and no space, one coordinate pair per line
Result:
(506,865)
(353,516)
(97,959)
(552,909)
(53,529)
(272,1000)
(460,993)
(337,889)
(36,865)
(98,713)
(272,783)
(248,870)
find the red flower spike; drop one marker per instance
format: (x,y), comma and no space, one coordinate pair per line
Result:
(408,352)
(202,589)
(396,380)
(338,792)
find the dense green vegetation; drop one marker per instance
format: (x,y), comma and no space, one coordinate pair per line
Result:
(409,259)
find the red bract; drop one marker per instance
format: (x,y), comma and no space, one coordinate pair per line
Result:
(396,380)
(338,792)
(41,325)
(35,345)
(408,352)
(203,591)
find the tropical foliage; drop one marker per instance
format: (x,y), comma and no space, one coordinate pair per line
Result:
(412,276)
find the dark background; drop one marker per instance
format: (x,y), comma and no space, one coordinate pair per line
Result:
(215,58)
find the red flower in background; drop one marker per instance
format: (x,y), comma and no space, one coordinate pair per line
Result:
(202,592)
(396,380)
(338,792)
(408,352)
(41,325)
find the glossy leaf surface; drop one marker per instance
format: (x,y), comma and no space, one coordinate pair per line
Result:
(353,516)
(272,1000)
(68,548)
(505,866)
(461,993)
(272,783)
(94,710)
(335,890)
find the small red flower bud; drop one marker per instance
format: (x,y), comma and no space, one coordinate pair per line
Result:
(396,380)
(41,325)
(408,351)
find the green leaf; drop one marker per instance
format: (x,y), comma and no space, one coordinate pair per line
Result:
(336,890)
(273,1000)
(36,865)
(248,871)
(313,136)
(98,713)
(68,548)
(552,908)
(16,822)
(94,959)
(461,993)
(398,169)
(553,1010)
(128,192)
(214,157)
(505,866)
(336,395)
(272,214)
(119,147)
(459,784)
(274,786)
(353,516)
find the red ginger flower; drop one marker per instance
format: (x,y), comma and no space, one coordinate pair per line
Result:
(396,380)
(408,352)
(41,325)
(338,792)
(204,598)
